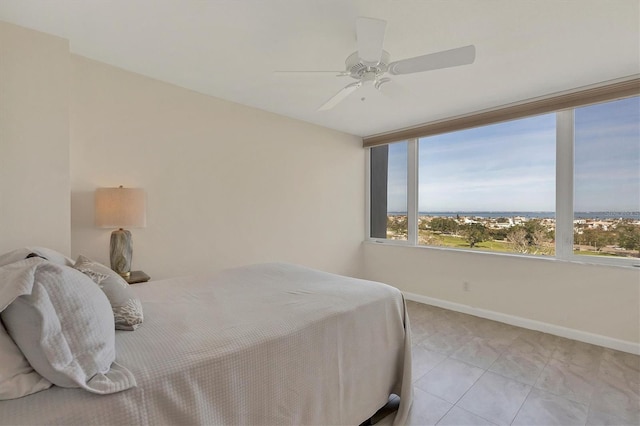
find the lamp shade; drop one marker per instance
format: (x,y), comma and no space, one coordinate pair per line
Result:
(120,207)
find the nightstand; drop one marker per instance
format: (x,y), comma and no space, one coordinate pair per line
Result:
(137,277)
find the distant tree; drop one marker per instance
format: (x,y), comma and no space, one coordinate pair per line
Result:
(498,234)
(539,240)
(397,224)
(502,220)
(444,225)
(552,234)
(531,226)
(579,237)
(597,238)
(518,237)
(428,239)
(474,233)
(629,237)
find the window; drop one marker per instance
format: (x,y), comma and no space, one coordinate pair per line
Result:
(607,179)
(388,195)
(490,188)
(495,187)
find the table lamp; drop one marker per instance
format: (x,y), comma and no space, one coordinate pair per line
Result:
(120,208)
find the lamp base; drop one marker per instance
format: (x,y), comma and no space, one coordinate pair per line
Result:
(120,252)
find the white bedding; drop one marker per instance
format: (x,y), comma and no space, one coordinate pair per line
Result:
(258,345)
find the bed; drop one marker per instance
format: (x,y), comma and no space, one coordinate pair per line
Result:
(263,344)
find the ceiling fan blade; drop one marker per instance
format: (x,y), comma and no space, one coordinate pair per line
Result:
(370,36)
(336,73)
(433,61)
(340,96)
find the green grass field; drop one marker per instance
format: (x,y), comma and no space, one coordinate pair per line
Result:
(593,253)
(444,240)
(460,242)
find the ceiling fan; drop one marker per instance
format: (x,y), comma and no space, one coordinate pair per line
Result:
(370,63)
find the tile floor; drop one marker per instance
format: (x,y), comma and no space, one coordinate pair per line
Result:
(472,371)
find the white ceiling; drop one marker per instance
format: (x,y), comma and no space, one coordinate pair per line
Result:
(230,49)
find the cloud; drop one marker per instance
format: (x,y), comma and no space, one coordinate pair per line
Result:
(511,165)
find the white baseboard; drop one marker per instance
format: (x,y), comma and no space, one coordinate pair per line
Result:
(570,333)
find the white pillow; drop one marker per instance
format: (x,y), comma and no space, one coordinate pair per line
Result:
(17,378)
(22,253)
(63,324)
(52,255)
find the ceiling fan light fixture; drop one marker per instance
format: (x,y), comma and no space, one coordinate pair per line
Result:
(369,77)
(356,68)
(381,81)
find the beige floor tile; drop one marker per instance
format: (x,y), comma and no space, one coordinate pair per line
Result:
(450,379)
(426,409)
(520,365)
(495,398)
(458,317)
(494,330)
(422,328)
(578,353)
(450,322)
(598,418)
(620,368)
(536,342)
(423,312)
(459,417)
(622,358)
(567,380)
(543,408)
(573,382)
(445,342)
(424,360)
(614,397)
(479,352)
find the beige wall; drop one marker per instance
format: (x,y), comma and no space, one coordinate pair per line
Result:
(226,184)
(34,140)
(592,299)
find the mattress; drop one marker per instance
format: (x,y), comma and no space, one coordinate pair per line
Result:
(267,344)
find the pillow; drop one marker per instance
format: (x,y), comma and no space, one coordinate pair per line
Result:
(22,253)
(63,325)
(52,255)
(14,256)
(17,378)
(127,309)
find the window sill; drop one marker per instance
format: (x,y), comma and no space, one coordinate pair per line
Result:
(628,263)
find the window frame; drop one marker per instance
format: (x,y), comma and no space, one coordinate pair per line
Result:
(564,239)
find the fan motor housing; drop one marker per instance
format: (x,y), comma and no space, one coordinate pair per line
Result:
(359,70)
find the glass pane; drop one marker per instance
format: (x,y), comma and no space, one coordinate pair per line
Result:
(607,179)
(397,192)
(491,188)
(389,191)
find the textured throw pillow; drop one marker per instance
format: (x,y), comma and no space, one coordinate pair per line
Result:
(127,309)
(17,377)
(63,325)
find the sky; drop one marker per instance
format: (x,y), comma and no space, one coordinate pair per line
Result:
(607,157)
(511,166)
